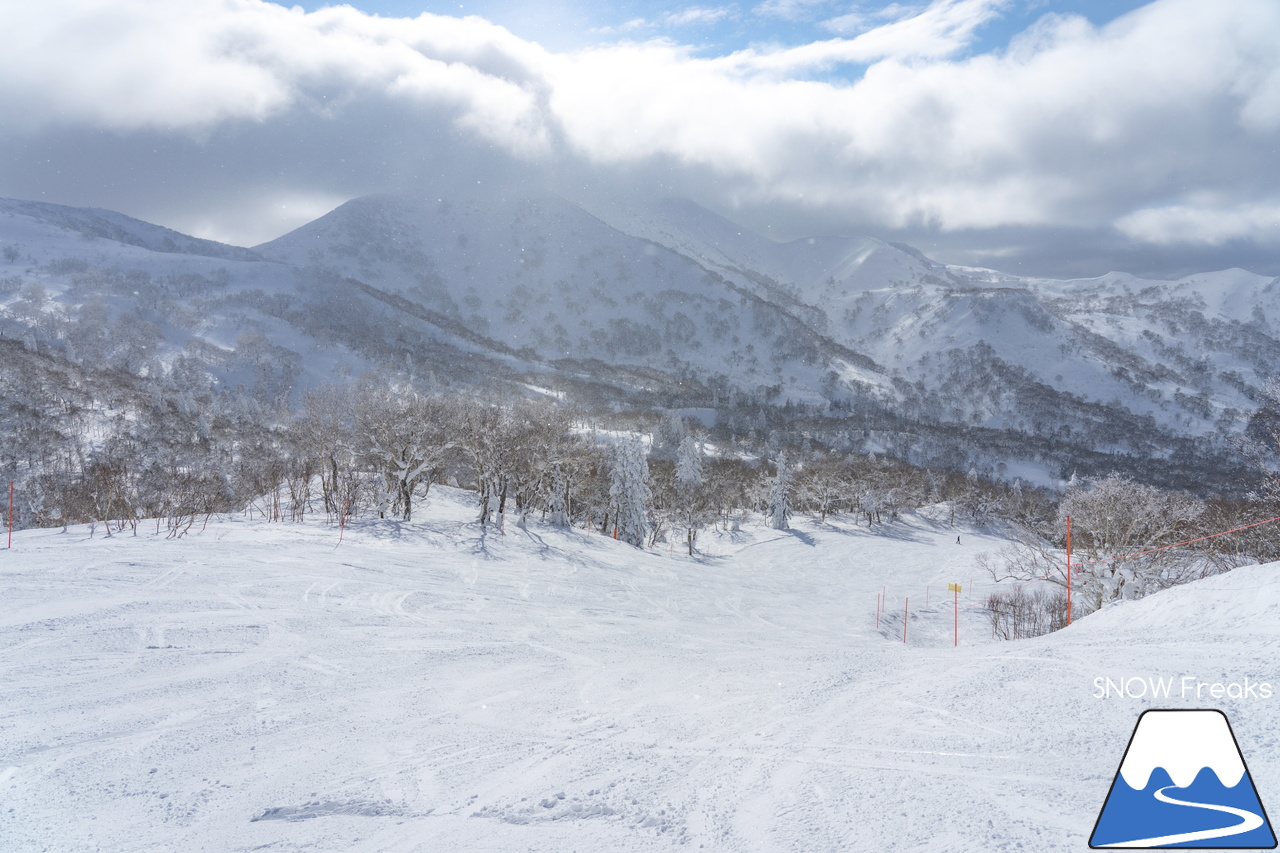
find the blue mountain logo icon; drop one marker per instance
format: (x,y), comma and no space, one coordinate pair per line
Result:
(1183,783)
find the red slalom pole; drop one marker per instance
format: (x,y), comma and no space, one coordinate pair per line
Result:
(906,611)
(10,515)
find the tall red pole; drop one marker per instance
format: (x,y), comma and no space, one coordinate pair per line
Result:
(906,610)
(10,515)
(1068,570)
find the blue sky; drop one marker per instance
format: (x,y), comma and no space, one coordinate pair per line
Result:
(724,27)
(1066,138)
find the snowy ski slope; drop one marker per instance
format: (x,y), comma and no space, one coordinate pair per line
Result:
(432,686)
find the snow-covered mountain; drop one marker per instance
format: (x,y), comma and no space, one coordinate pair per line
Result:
(665,304)
(1183,743)
(979,346)
(539,277)
(96,223)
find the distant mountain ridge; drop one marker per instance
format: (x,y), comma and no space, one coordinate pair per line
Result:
(97,223)
(670,304)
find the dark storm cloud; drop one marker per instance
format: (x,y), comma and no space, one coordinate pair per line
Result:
(246,182)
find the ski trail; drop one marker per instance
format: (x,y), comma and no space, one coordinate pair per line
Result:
(1249,821)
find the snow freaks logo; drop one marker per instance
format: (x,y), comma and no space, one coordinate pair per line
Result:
(1183,783)
(1187,687)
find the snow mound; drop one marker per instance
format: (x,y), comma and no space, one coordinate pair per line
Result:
(1245,602)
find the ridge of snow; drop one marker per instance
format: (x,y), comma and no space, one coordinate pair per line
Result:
(99,223)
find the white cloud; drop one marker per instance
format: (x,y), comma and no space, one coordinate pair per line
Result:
(938,31)
(192,65)
(1206,224)
(275,211)
(1072,126)
(121,64)
(631,26)
(859,19)
(688,16)
(789,10)
(698,15)
(941,29)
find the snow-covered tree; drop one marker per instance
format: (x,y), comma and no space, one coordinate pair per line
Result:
(779,507)
(405,435)
(1113,519)
(689,488)
(629,493)
(481,437)
(668,437)
(558,499)
(689,465)
(823,488)
(323,431)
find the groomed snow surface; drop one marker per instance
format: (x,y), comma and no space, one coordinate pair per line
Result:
(437,687)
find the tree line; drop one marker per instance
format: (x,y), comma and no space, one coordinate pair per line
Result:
(365,448)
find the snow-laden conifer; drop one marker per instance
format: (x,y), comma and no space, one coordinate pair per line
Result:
(689,465)
(779,509)
(629,494)
(670,434)
(558,501)
(689,486)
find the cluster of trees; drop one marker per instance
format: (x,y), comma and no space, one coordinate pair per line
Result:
(376,449)
(1121,531)
(365,448)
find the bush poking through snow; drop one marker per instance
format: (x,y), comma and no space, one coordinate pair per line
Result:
(1027,613)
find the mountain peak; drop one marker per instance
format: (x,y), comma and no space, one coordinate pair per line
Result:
(1183,743)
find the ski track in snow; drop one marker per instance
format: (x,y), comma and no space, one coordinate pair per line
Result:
(430,686)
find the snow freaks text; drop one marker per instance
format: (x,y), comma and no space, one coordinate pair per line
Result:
(1185,687)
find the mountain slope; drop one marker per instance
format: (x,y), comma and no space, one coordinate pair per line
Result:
(95,223)
(667,305)
(541,276)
